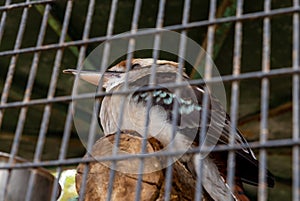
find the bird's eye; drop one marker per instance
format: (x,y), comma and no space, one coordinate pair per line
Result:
(136,65)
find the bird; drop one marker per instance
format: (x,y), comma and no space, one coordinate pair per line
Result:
(162,118)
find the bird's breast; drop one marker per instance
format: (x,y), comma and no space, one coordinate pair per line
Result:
(135,117)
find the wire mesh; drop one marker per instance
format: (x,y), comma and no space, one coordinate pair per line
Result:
(60,51)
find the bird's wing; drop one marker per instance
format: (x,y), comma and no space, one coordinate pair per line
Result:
(190,107)
(246,162)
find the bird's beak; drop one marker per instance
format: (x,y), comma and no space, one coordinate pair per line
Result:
(93,77)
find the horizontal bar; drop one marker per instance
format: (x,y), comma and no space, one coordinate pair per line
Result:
(25,4)
(218,148)
(226,78)
(244,17)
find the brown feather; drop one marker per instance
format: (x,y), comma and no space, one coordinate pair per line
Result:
(239,191)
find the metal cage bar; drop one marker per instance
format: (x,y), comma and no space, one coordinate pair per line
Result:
(155,54)
(235,89)
(47,109)
(10,74)
(249,16)
(218,148)
(93,125)
(3,20)
(264,76)
(181,54)
(207,76)
(13,61)
(296,103)
(23,5)
(262,190)
(226,78)
(130,50)
(69,118)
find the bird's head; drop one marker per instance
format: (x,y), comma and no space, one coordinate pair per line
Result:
(115,75)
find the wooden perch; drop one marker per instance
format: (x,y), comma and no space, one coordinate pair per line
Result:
(125,182)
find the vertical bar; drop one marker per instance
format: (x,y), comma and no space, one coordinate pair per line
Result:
(103,68)
(205,103)
(181,54)
(13,61)
(86,167)
(262,189)
(131,46)
(68,124)
(51,93)
(11,69)
(296,102)
(3,20)
(231,163)
(94,120)
(32,74)
(152,82)
(30,83)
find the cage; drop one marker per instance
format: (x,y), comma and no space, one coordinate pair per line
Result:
(254,45)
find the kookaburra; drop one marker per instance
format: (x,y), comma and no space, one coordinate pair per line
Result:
(188,129)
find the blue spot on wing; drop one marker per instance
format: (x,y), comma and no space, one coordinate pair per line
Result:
(188,103)
(163,94)
(168,101)
(156,93)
